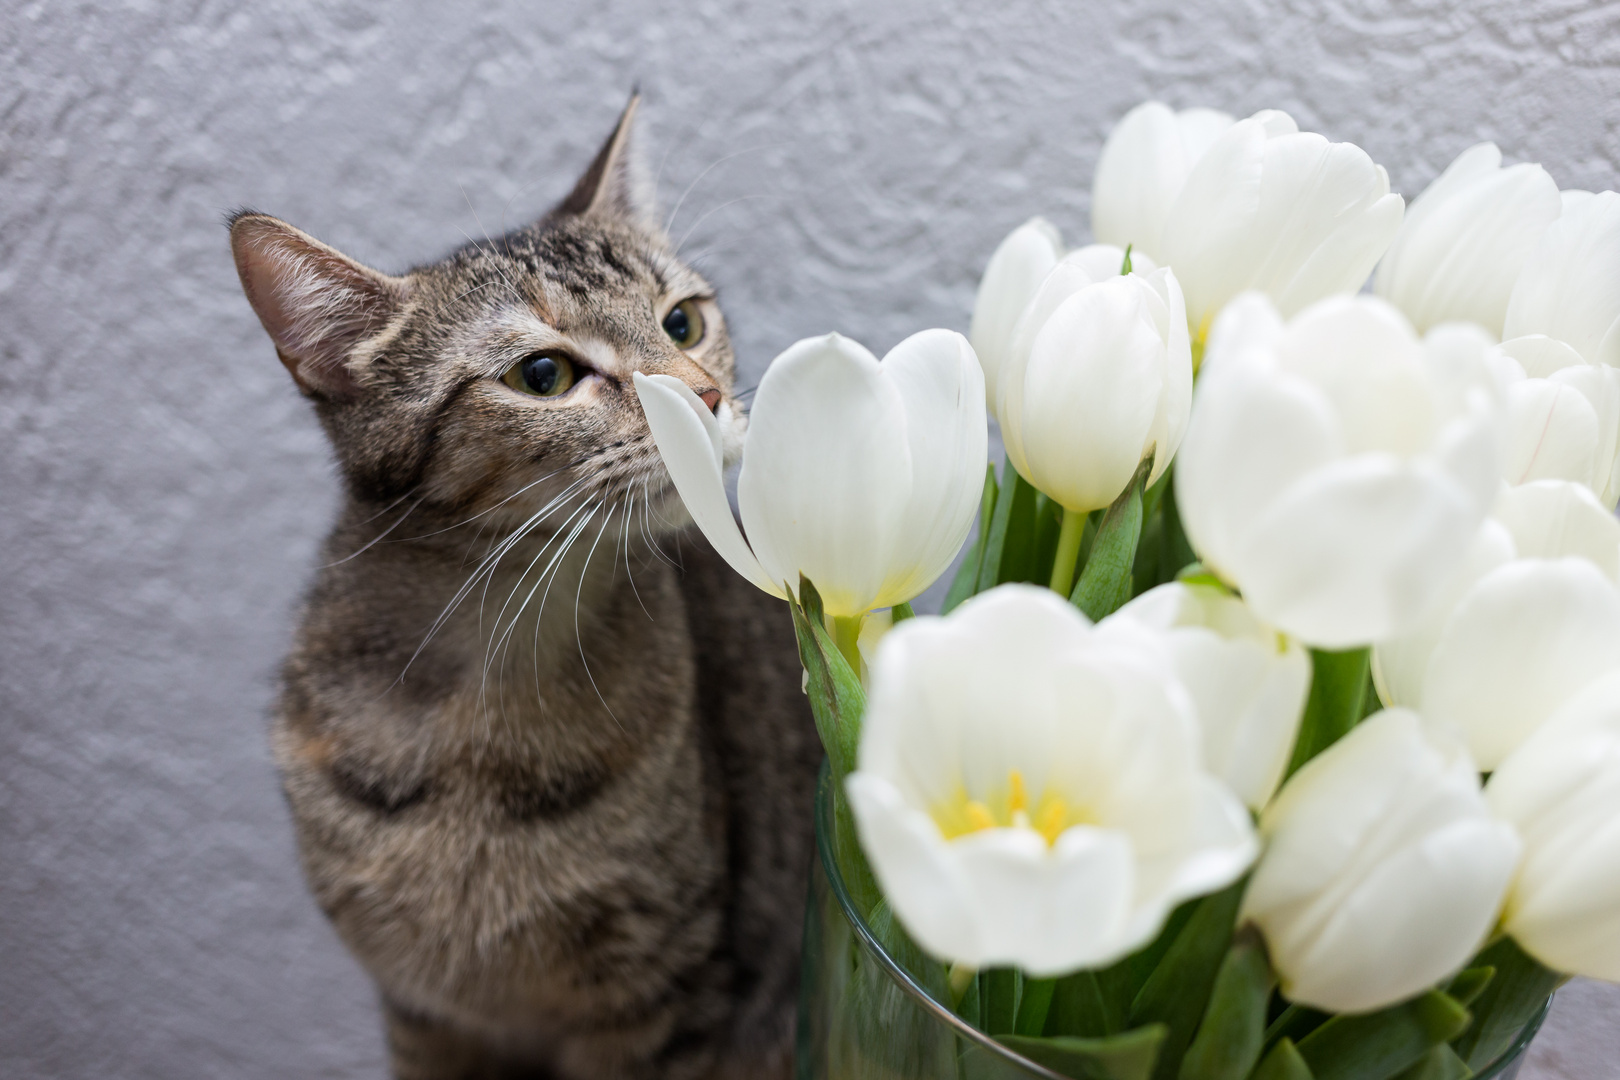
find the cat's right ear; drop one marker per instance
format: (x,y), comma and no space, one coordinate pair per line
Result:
(315,302)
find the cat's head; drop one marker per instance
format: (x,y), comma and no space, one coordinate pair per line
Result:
(497,382)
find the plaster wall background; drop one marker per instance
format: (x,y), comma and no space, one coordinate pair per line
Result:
(836,164)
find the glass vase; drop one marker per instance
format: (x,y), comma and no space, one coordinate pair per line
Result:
(862,1016)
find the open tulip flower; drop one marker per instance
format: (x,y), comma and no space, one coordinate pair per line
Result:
(864,477)
(1561,791)
(1383,869)
(1466,239)
(1563,415)
(1050,817)
(1529,616)
(1247,681)
(1336,466)
(1264,207)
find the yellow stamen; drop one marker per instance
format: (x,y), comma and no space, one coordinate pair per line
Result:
(978,815)
(1017,797)
(1051,821)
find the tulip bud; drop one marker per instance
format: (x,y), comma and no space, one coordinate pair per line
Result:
(1283,212)
(1049,817)
(1098,378)
(1336,467)
(1383,870)
(1465,239)
(1563,415)
(1570,288)
(1247,681)
(1530,615)
(1561,791)
(863,477)
(1142,169)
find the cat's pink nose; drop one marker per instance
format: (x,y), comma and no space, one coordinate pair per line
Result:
(711,398)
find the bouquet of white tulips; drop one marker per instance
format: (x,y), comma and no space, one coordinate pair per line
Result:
(1272,727)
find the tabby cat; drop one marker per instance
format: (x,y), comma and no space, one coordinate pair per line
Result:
(551,787)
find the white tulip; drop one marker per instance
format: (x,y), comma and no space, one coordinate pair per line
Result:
(1098,377)
(1029,790)
(1336,467)
(1248,681)
(1531,614)
(1570,289)
(1465,240)
(1563,415)
(1383,869)
(1280,211)
(1142,168)
(1561,791)
(1014,272)
(863,476)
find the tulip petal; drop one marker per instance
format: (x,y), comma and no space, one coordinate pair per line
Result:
(1010,279)
(1553,518)
(1519,643)
(1570,288)
(1143,165)
(826,472)
(1465,240)
(689,441)
(942,392)
(1356,552)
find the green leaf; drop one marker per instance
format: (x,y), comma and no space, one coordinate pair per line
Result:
(930,973)
(1294,1023)
(1338,685)
(1283,1063)
(900,613)
(971,1007)
(837,700)
(1513,998)
(1176,993)
(1132,973)
(1469,983)
(966,582)
(1002,988)
(1128,1056)
(1034,1006)
(1381,1045)
(1440,1063)
(1233,1030)
(1081,1006)
(1009,554)
(1105,583)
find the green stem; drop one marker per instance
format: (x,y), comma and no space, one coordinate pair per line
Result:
(1338,686)
(1068,550)
(846,634)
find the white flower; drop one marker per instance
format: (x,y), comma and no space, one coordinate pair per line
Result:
(862,476)
(1563,415)
(1465,240)
(1029,791)
(1336,467)
(1530,615)
(1561,791)
(1284,212)
(1143,167)
(1570,289)
(1247,681)
(1098,377)
(1383,870)
(1014,272)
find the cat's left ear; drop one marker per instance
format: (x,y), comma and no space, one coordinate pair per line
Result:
(616,186)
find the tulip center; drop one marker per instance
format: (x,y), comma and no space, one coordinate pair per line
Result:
(1009,807)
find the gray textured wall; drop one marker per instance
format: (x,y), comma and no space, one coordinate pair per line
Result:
(845,165)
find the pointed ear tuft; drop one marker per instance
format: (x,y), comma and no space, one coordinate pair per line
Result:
(616,185)
(315,302)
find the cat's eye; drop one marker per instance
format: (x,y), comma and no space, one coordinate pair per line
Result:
(541,374)
(684,324)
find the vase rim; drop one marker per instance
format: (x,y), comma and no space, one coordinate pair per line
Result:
(857,922)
